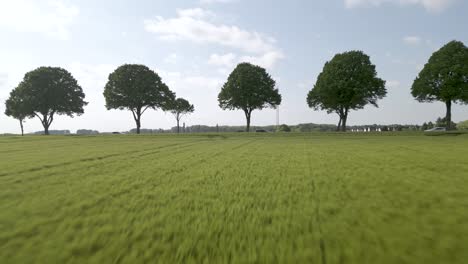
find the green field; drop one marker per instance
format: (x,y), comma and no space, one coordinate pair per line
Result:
(296,198)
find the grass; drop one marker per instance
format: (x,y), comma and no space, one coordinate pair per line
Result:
(239,198)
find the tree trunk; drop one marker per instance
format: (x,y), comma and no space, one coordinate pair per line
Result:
(178,127)
(247,117)
(21,125)
(45,121)
(448,116)
(45,124)
(138,125)
(343,122)
(137,117)
(338,128)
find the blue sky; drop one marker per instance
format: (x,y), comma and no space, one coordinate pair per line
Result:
(194,45)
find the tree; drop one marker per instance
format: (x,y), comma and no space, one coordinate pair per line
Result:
(463,125)
(16,107)
(50,91)
(249,87)
(442,122)
(136,88)
(444,78)
(348,82)
(179,108)
(284,128)
(424,126)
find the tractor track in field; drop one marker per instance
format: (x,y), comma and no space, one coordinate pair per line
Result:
(112,196)
(316,198)
(132,157)
(144,152)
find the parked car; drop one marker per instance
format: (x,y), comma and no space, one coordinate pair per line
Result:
(436,129)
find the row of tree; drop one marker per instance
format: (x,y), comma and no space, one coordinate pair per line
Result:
(348,82)
(49,91)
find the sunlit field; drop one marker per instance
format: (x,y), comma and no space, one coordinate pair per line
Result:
(240,198)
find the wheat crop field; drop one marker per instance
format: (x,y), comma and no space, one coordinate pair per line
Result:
(234,198)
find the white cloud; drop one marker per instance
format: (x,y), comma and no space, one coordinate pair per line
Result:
(3,79)
(3,88)
(195,13)
(190,25)
(92,78)
(430,5)
(224,71)
(199,81)
(196,25)
(51,17)
(189,84)
(171,58)
(226,60)
(412,40)
(392,84)
(306,84)
(266,60)
(216,1)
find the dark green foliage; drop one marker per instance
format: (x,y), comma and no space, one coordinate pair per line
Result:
(16,107)
(284,128)
(49,91)
(137,88)
(311,127)
(348,82)
(179,108)
(249,87)
(86,132)
(442,122)
(444,78)
(53,132)
(424,126)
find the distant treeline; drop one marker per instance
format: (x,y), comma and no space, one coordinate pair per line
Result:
(307,127)
(67,132)
(222,129)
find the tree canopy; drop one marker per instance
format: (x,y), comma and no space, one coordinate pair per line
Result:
(444,78)
(442,122)
(249,87)
(284,128)
(16,107)
(49,91)
(179,108)
(137,88)
(348,82)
